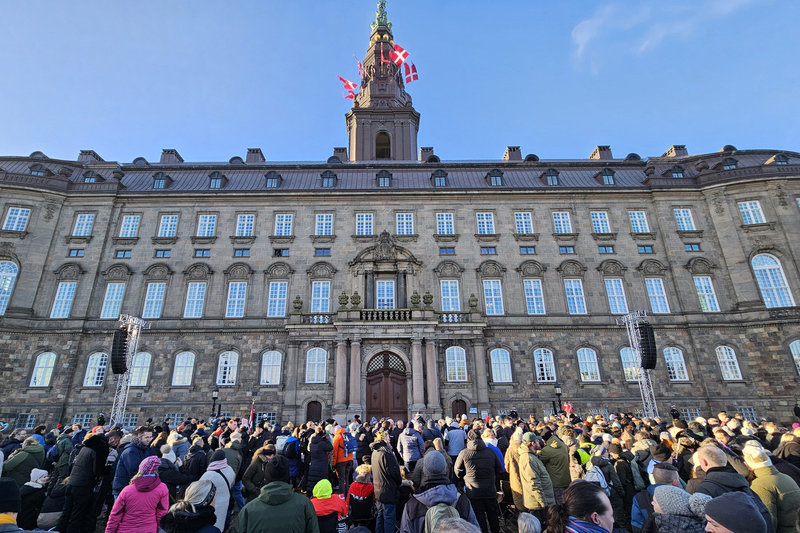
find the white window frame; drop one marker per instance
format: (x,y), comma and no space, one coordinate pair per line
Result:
(129,228)
(615,292)
(544,365)
(43,369)
(112,302)
(384,294)
(728,363)
(684,219)
(16,219)
(706,294)
(140,369)
(276,301)
(96,368)
(445,224)
(183,370)
(794,349)
(405,223)
(364,224)
(271,368)
(283,224)
(659,304)
(154,299)
(62,303)
(168,226)
(600,222)
(227,368)
(588,366)
(751,212)
(206,225)
(501,365)
(485,223)
(523,222)
(676,364)
(245,225)
(638,219)
(321,296)
(562,222)
(316,366)
(576,301)
(456,364)
(237,299)
(324,224)
(195,299)
(630,363)
(8,278)
(493,297)
(534,296)
(771,281)
(451,299)
(84,222)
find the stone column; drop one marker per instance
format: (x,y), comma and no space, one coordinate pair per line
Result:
(290,398)
(431,372)
(355,377)
(481,379)
(369,290)
(418,380)
(340,385)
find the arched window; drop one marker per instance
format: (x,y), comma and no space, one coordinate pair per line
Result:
(96,370)
(728,364)
(587,364)
(184,369)
(8,275)
(545,365)
(630,365)
(271,368)
(383,146)
(140,368)
(501,366)
(43,369)
(227,368)
(771,281)
(456,363)
(794,347)
(676,366)
(316,366)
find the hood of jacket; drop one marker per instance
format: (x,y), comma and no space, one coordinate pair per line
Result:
(476,444)
(377,445)
(409,431)
(340,431)
(439,494)
(600,461)
(35,450)
(555,443)
(146,483)
(276,493)
(731,480)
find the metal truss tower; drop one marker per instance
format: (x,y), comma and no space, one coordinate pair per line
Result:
(134,327)
(631,321)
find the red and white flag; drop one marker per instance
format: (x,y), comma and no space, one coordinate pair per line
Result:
(349,95)
(399,56)
(360,67)
(349,85)
(252,413)
(383,59)
(411,72)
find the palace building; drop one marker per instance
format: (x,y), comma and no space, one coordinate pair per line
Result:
(385,281)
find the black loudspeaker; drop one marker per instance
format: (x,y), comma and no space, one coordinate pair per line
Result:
(119,352)
(647,344)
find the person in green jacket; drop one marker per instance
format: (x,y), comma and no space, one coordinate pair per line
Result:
(777,491)
(278,509)
(23,461)
(61,467)
(555,457)
(537,489)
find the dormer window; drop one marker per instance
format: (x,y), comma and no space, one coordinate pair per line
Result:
(728,163)
(551,177)
(781,159)
(384,178)
(37,170)
(216,180)
(495,178)
(439,178)
(608,176)
(273,180)
(89,177)
(327,180)
(160,180)
(677,172)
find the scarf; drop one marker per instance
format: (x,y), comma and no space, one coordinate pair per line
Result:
(217,465)
(575,525)
(6,518)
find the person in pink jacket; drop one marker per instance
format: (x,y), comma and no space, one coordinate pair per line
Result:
(141,505)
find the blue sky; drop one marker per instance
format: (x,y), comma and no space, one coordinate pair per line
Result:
(212,79)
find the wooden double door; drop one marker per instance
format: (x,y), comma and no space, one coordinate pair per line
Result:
(387,389)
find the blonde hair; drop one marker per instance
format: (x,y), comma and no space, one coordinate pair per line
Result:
(194,496)
(438,444)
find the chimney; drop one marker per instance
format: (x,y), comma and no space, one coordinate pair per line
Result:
(601,152)
(89,156)
(512,153)
(171,156)
(425,152)
(255,155)
(676,150)
(341,153)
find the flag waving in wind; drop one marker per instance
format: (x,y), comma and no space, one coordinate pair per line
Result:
(360,67)
(383,59)
(349,85)
(399,55)
(410,71)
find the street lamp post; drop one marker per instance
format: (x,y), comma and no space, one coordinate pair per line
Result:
(214,397)
(558,395)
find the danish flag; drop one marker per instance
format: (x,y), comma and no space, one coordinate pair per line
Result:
(349,85)
(383,60)
(360,67)
(399,56)
(349,95)
(411,72)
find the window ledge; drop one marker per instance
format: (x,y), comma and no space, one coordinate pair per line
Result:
(406,238)
(242,239)
(784,312)
(364,238)
(75,239)
(281,239)
(163,240)
(604,236)
(445,237)
(487,237)
(565,236)
(13,234)
(651,236)
(736,381)
(525,237)
(322,238)
(48,389)
(763,226)
(125,241)
(690,234)
(203,240)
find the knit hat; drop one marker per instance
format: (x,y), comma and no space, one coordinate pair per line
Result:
(149,465)
(671,499)
(530,437)
(323,489)
(37,474)
(169,456)
(434,469)
(697,504)
(660,453)
(278,468)
(10,501)
(614,448)
(473,435)
(756,457)
(737,512)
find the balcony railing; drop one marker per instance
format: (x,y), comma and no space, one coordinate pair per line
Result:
(318,318)
(385,315)
(452,317)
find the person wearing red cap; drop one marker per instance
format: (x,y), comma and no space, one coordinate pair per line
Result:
(142,504)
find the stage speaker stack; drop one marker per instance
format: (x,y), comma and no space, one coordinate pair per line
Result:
(647,343)
(119,352)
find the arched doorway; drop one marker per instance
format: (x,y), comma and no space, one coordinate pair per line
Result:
(383,146)
(386,387)
(459,408)
(314,411)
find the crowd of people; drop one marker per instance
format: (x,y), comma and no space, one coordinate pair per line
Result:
(505,473)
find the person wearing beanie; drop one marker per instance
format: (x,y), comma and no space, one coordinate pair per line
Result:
(537,488)
(778,492)
(194,513)
(141,505)
(630,476)
(10,505)
(223,477)
(555,457)
(387,479)
(479,466)
(436,487)
(734,512)
(361,497)
(32,495)
(277,507)
(672,512)
(325,502)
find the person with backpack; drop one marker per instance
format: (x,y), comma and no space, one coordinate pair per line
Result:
(478,466)
(601,466)
(342,458)
(537,488)
(60,454)
(629,476)
(410,445)
(223,477)
(642,508)
(436,500)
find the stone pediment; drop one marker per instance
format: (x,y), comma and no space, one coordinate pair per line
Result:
(385,250)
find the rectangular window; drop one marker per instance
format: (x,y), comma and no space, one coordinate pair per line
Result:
(206,225)
(163,253)
(605,249)
(276,306)
(485,223)
(113,300)
(130,226)
(195,300)
(493,296)
(62,304)
(280,252)
(25,421)
(241,252)
(450,297)
(83,225)
(159,183)
(562,222)
(534,296)
(321,297)
(576,304)
(168,226)
(440,181)
(657,296)
(706,294)
(215,183)
(488,250)
(16,219)
(245,225)
(405,223)
(692,247)
(122,254)
(444,224)
(272,183)
(615,292)
(322,252)
(384,294)
(384,181)
(447,250)
(237,294)
(324,225)
(684,220)
(600,222)
(154,300)
(566,249)
(328,182)
(524,223)
(363,223)
(283,225)
(645,249)
(527,250)
(751,212)
(202,252)
(638,222)
(76,252)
